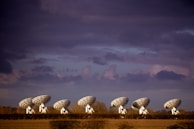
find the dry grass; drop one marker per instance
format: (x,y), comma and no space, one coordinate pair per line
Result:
(142,123)
(109,123)
(24,124)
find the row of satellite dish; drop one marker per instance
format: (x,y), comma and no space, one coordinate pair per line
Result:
(61,105)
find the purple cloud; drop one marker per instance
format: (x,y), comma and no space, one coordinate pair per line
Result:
(104,48)
(42,69)
(166,75)
(5,67)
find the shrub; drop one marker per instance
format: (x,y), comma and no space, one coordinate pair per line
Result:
(64,124)
(187,125)
(93,125)
(176,126)
(125,126)
(76,124)
(182,125)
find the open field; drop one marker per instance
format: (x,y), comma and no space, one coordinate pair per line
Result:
(107,123)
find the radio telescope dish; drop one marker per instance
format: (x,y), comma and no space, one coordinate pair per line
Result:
(25,103)
(86,100)
(120,101)
(173,103)
(42,99)
(141,102)
(140,105)
(61,104)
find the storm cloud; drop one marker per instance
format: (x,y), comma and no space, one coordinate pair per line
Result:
(109,48)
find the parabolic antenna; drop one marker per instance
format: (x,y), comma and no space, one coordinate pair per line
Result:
(25,103)
(86,100)
(41,99)
(61,103)
(141,102)
(172,103)
(120,101)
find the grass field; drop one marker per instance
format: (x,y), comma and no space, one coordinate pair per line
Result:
(108,123)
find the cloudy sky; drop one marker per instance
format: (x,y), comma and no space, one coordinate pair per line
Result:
(105,48)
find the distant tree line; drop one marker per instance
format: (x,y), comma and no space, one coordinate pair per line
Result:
(100,111)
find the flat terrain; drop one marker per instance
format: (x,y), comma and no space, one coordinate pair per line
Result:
(108,123)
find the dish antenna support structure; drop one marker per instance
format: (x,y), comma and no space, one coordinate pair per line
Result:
(172,104)
(41,101)
(86,102)
(120,102)
(62,105)
(27,105)
(140,105)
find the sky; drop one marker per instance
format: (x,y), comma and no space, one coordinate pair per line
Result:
(69,49)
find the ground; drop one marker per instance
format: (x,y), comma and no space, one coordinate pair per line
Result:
(108,123)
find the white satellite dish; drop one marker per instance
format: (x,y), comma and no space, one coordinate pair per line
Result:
(141,102)
(61,104)
(42,99)
(25,103)
(120,101)
(173,103)
(86,100)
(140,105)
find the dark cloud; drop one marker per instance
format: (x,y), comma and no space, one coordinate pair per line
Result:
(182,39)
(46,42)
(36,77)
(48,78)
(137,78)
(43,69)
(64,31)
(5,67)
(113,57)
(14,28)
(189,4)
(72,78)
(169,75)
(39,61)
(106,58)
(14,54)
(99,60)
(122,8)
